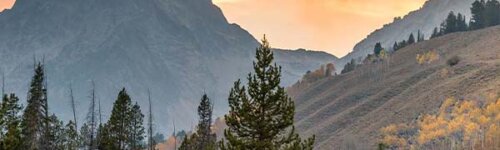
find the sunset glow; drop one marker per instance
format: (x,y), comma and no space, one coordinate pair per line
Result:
(334,26)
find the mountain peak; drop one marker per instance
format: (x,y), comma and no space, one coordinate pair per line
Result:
(176,48)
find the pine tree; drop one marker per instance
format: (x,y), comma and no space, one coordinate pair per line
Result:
(34,121)
(203,138)
(206,139)
(105,141)
(188,143)
(10,131)
(350,66)
(12,139)
(378,48)
(119,122)
(461,23)
(71,136)
(411,39)
(420,36)
(478,17)
(137,130)
(261,117)
(450,23)
(395,47)
(435,33)
(56,134)
(84,136)
(492,13)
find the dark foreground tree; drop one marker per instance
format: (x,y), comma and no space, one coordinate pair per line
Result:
(478,20)
(203,138)
(136,128)
(378,48)
(261,117)
(10,121)
(124,128)
(71,136)
(34,122)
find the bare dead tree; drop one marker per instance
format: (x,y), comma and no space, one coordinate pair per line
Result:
(100,113)
(3,83)
(91,117)
(72,98)
(150,123)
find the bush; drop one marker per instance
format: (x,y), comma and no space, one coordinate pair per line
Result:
(453,61)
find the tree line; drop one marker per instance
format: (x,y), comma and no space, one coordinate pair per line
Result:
(484,14)
(260,117)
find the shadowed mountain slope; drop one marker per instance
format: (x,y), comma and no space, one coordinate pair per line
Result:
(177,48)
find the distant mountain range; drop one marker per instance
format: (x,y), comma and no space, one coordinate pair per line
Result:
(425,19)
(177,48)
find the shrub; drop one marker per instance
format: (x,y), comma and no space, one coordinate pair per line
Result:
(427,57)
(453,61)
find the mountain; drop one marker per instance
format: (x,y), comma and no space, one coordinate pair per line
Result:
(177,48)
(425,19)
(347,111)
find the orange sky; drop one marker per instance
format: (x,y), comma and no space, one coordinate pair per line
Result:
(6,4)
(333,26)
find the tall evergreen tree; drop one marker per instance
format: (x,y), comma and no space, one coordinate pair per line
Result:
(56,138)
(478,20)
(118,125)
(105,141)
(450,23)
(411,39)
(435,33)
(84,137)
(420,36)
(378,48)
(71,136)
(206,140)
(261,117)
(492,13)
(136,128)
(203,138)
(395,47)
(34,121)
(188,143)
(461,24)
(10,121)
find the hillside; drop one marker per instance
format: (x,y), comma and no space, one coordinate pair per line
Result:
(176,48)
(429,16)
(347,111)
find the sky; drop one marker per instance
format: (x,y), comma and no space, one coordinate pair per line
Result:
(334,26)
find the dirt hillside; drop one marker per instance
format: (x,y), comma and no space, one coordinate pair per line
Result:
(347,111)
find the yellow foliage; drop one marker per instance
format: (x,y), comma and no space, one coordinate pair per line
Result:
(478,126)
(427,57)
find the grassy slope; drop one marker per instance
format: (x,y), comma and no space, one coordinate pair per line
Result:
(349,110)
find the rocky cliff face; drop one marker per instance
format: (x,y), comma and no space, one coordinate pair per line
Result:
(425,19)
(177,48)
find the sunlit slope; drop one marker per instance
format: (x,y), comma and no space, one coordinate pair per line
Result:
(348,110)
